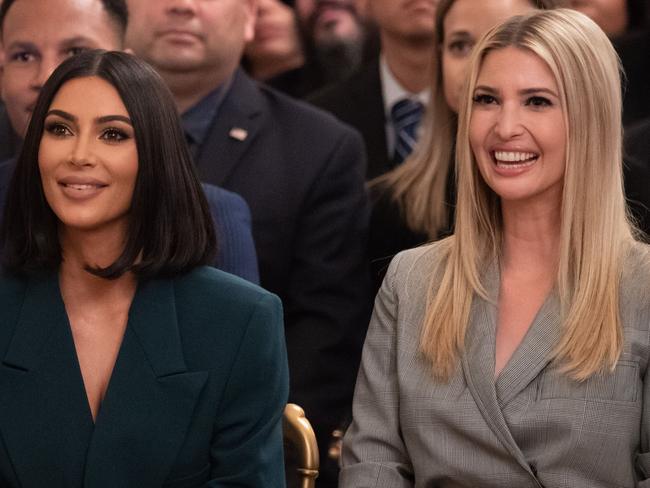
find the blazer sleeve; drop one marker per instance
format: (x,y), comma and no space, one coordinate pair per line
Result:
(247,448)
(374,454)
(232,222)
(643,457)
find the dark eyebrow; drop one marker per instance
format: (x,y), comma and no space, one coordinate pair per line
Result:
(100,120)
(76,40)
(111,118)
(22,45)
(62,114)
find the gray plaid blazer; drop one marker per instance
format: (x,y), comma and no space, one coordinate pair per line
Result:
(532,427)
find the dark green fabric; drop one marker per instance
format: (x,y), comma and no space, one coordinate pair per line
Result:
(195,399)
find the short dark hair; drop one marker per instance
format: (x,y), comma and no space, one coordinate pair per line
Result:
(116,10)
(170,228)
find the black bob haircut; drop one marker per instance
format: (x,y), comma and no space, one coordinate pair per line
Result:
(116,10)
(170,228)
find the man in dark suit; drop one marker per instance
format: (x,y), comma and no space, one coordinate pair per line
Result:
(369,99)
(301,173)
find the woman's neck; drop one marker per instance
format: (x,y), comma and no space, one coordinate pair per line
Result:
(531,236)
(96,249)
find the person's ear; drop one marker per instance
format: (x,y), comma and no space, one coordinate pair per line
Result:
(251,7)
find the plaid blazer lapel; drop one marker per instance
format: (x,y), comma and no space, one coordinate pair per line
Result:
(478,365)
(533,354)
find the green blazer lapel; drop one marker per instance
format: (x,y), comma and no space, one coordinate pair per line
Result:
(478,362)
(150,399)
(45,421)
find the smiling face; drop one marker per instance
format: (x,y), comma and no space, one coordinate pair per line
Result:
(88,158)
(464,24)
(37,36)
(517,129)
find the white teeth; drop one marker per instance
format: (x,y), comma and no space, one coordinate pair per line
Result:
(501,164)
(80,187)
(513,157)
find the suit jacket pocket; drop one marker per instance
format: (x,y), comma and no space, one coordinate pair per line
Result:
(620,385)
(196,479)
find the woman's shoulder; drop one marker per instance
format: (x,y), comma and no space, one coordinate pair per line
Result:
(212,304)
(215,286)
(416,267)
(635,277)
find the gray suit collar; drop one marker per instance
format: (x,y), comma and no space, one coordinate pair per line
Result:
(530,358)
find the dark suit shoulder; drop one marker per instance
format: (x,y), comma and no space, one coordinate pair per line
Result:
(304,118)
(361,88)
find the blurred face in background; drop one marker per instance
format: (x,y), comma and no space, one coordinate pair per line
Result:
(464,24)
(191,36)
(330,21)
(276,36)
(610,15)
(408,20)
(37,36)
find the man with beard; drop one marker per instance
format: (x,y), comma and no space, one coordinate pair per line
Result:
(335,39)
(391,91)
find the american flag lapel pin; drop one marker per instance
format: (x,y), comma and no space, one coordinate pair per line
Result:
(238,133)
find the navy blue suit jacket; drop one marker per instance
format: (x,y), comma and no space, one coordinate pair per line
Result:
(195,398)
(302,174)
(232,222)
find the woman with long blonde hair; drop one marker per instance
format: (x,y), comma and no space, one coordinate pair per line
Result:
(514,353)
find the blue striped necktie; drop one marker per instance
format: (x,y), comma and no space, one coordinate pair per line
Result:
(406,115)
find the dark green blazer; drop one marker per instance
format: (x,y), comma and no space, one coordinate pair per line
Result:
(195,399)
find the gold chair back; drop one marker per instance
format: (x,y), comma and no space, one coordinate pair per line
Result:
(297,430)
